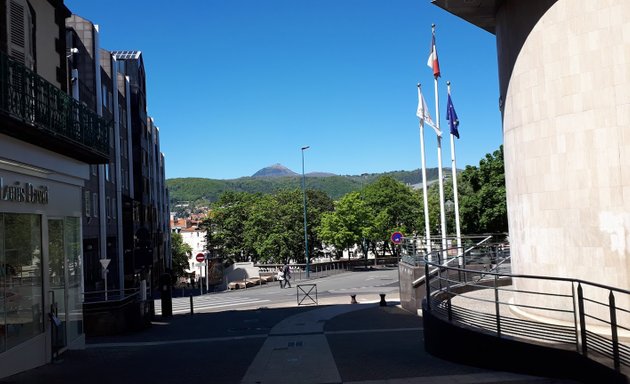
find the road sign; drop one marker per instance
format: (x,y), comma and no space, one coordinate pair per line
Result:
(396,237)
(200,257)
(105,262)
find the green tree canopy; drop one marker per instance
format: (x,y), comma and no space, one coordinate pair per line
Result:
(395,207)
(181,253)
(483,207)
(348,224)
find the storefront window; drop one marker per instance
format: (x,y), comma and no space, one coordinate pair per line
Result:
(20,278)
(73,257)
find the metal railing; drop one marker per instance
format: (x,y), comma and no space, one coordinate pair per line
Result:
(482,294)
(327,268)
(112,295)
(29,98)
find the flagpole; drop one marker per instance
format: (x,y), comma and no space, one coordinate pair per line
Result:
(439,154)
(455,193)
(427,226)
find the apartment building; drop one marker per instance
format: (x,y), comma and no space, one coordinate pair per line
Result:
(125,202)
(47,142)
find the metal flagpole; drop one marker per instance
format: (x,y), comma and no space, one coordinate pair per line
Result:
(427,226)
(436,74)
(455,193)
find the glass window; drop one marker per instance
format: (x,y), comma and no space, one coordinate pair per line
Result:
(73,258)
(21,304)
(87,204)
(95,204)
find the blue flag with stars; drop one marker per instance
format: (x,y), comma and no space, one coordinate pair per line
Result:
(451,116)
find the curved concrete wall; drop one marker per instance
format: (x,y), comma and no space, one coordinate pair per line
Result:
(567,145)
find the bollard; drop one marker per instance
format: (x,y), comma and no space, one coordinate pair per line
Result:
(383,303)
(353,299)
(191,305)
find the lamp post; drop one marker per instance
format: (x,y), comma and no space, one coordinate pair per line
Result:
(308,272)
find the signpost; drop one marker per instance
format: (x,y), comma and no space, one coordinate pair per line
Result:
(200,259)
(104,264)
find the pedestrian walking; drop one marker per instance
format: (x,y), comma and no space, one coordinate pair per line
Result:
(287,275)
(280,277)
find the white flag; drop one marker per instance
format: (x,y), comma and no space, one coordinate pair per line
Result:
(423,113)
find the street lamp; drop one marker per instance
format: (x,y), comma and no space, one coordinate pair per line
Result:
(308,272)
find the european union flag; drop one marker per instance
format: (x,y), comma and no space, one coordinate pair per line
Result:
(451,116)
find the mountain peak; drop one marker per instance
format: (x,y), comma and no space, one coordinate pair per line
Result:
(275,170)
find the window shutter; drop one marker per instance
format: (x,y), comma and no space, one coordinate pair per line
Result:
(20,30)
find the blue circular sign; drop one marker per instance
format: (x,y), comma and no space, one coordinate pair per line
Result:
(396,237)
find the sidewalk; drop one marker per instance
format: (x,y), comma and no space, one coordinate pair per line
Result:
(342,343)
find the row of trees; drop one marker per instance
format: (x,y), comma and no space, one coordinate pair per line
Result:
(269,228)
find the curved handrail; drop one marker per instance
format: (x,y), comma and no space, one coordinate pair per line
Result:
(587,316)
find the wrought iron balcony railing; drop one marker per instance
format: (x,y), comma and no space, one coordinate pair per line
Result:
(42,114)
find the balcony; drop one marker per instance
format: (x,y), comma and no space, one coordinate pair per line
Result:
(35,111)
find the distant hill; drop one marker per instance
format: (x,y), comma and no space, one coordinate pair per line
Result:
(203,191)
(276,170)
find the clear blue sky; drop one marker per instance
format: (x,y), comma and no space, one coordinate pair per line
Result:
(237,85)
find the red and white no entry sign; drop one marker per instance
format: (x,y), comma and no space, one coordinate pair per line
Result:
(200,257)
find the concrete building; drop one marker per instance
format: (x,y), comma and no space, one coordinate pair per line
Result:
(47,141)
(126,240)
(564,72)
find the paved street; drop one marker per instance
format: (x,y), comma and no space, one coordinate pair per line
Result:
(277,342)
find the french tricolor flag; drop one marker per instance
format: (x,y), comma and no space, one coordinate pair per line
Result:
(433,58)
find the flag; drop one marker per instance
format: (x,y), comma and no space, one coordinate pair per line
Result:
(433,58)
(423,113)
(451,116)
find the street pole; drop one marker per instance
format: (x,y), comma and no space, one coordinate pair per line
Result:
(308,272)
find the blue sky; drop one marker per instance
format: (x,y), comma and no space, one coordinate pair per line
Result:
(237,85)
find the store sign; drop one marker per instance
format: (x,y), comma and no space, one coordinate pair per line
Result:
(23,193)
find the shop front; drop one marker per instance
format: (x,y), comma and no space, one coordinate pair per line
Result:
(40,258)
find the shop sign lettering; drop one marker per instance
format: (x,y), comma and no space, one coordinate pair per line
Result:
(23,193)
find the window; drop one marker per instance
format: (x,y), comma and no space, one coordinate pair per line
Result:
(93,168)
(21,279)
(114,208)
(107,172)
(104,95)
(20,32)
(108,207)
(87,204)
(94,204)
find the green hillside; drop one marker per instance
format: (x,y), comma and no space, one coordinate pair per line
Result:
(200,191)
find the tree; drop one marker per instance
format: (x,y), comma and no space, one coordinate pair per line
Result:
(274,227)
(181,253)
(225,226)
(395,207)
(483,207)
(348,224)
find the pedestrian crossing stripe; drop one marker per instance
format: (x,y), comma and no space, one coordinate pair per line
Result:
(182,304)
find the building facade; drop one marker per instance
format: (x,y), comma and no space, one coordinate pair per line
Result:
(196,238)
(47,141)
(125,201)
(564,71)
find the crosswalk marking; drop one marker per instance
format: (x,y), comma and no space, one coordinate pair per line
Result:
(182,304)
